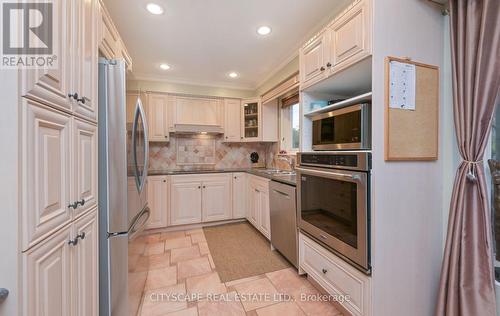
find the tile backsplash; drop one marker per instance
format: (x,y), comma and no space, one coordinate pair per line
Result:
(189,152)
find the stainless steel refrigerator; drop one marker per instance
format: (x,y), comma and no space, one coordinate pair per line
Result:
(123,209)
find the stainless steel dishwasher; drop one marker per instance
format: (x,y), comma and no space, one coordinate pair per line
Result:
(284,220)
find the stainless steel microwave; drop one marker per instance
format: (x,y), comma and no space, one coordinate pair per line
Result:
(343,129)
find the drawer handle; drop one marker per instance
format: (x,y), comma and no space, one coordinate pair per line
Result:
(324,271)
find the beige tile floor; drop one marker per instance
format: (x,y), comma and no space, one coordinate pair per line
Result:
(183,280)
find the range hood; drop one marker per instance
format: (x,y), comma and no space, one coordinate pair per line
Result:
(198,129)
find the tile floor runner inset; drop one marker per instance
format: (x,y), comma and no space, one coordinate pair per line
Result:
(240,251)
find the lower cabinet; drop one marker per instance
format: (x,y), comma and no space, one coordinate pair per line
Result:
(239,195)
(258,213)
(158,201)
(336,276)
(200,198)
(61,273)
(185,204)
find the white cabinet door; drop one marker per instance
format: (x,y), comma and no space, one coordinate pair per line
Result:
(46,173)
(216,199)
(350,36)
(52,86)
(84,165)
(85,57)
(232,120)
(251,120)
(157,109)
(85,266)
(47,277)
(265,214)
(239,195)
(198,111)
(253,205)
(312,59)
(158,201)
(185,207)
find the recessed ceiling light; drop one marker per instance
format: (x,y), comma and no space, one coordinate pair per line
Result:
(154,8)
(165,66)
(264,30)
(233,74)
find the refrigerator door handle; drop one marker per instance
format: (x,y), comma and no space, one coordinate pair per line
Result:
(139,223)
(140,178)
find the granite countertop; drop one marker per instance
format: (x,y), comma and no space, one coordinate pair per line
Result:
(261,172)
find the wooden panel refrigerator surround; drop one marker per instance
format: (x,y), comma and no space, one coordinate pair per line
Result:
(158,193)
(157,113)
(46,171)
(84,165)
(350,36)
(232,120)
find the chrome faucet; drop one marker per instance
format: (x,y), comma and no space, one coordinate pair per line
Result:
(289,160)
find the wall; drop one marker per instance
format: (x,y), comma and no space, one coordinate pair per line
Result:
(211,149)
(163,86)
(284,73)
(407,214)
(9,124)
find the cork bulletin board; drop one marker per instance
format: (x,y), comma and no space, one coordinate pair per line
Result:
(411,133)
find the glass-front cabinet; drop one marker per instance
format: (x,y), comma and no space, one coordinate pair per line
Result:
(251,120)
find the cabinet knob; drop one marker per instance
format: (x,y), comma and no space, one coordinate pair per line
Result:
(199,187)
(75,97)
(164,181)
(73,242)
(204,187)
(81,236)
(3,294)
(329,65)
(322,69)
(324,271)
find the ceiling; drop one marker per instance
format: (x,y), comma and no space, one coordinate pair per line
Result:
(204,40)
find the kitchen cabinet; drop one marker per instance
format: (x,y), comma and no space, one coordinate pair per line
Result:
(251,120)
(200,198)
(216,199)
(85,266)
(344,42)
(158,117)
(198,111)
(232,120)
(185,201)
(84,78)
(313,56)
(239,195)
(46,171)
(85,165)
(61,277)
(158,192)
(258,213)
(350,36)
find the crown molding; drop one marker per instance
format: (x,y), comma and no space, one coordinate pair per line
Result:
(185,81)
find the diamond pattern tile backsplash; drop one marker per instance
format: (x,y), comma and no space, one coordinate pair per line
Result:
(207,151)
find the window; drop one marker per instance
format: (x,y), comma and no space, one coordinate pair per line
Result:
(290,124)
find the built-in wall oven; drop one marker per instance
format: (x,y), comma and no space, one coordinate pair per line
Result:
(346,128)
(333,191)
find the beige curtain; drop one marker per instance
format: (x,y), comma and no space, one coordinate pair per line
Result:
(467,278)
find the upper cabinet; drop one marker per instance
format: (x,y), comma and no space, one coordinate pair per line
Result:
(110,43)
(158,117)
(251,119)
(232,120)
(198,111)
(346,41)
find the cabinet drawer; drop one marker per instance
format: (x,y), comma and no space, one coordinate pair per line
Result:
(336,276)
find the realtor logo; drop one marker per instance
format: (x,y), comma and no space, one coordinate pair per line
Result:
(28,35)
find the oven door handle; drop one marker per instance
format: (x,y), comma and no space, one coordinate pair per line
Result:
(354,177)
